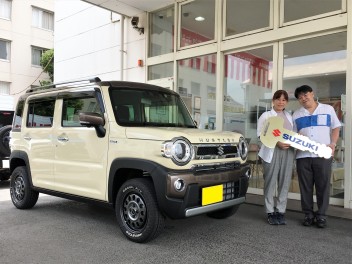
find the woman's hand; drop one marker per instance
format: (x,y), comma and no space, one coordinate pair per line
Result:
(282,145)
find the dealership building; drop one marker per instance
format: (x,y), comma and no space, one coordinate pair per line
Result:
(225,58)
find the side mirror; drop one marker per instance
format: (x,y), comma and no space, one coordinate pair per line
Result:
(90,119)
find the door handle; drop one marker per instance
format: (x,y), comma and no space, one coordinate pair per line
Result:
(28,138)
(63,139)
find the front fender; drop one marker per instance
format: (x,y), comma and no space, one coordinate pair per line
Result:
(155,170)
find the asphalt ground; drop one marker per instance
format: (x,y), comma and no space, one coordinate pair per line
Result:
(62,231)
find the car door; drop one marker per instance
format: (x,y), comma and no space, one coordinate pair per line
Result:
(80,155)
(38,141)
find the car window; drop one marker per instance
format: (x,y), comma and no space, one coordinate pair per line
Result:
(73,106)
(138,107)
(40,113)
(17,122)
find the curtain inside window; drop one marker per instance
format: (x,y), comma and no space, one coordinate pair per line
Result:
(48,21)
(5,9)
(4,88)
(36,55)
(42,19)
(4,50)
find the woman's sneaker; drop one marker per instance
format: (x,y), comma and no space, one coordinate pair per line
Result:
(280,218)
(272,219)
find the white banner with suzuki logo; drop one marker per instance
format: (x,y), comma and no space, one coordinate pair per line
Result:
(274,131)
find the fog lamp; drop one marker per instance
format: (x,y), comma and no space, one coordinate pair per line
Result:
(179,185)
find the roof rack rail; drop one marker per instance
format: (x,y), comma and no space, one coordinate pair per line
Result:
(54,85)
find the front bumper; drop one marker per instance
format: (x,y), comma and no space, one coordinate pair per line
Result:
(188,202)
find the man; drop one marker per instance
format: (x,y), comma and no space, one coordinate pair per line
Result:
(319,123)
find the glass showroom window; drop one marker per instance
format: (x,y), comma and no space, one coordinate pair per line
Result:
(301,9)
(160,71)
(5,9)
(36,55)
(320,62)
(4,50)
(196,85)
(197,22)
(4,88)
(42,19)
(162,30)
(247,94)
(244,16)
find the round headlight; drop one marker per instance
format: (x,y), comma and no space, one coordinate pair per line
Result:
(243,148)
(179,150)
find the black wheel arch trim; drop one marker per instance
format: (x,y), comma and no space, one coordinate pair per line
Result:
(156,171)
(17,155)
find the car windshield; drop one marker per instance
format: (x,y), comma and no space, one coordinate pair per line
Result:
(137,107)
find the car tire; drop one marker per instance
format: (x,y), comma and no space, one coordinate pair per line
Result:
(22,195)
(4,141)
(224,213)
(137,212)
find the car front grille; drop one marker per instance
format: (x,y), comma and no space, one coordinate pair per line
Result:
(216,151)
(231,190)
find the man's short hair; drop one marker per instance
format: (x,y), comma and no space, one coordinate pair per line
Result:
(303,89)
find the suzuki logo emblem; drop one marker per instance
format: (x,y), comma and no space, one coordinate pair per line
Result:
(220,151)
(276,132)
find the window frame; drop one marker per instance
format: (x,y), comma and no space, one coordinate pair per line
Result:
(7,85)
(8,49)
(251,32)
(39,23)
(78,96)
(9,9)
(282,22)
(35,101)
(33,48)
(179,26)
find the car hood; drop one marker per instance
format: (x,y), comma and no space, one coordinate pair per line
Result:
(193,135)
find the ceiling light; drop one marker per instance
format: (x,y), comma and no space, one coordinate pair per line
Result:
(199,18)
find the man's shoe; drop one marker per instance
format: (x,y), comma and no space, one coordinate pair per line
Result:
(308,221)
(280,218)
(321,222)
(272,220)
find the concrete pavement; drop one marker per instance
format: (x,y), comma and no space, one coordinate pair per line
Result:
(62,231)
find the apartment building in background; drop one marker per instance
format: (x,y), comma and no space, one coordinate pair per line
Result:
(26,31)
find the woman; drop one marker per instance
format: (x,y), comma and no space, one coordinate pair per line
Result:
(277,162)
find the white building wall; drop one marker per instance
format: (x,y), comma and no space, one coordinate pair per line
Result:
(19,71)
(88,44)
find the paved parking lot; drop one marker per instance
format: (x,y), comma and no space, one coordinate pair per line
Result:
(63,231)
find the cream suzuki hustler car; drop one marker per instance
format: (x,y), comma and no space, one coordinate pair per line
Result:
(132,146)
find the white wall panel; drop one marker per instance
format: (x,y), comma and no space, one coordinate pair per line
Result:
(88,43)
(61,10)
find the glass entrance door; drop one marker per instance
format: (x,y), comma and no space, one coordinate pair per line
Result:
(320,62)
(247,94)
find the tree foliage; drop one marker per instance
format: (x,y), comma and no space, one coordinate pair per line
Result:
(47,63)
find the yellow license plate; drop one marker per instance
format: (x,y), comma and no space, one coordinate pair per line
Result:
(213,194)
